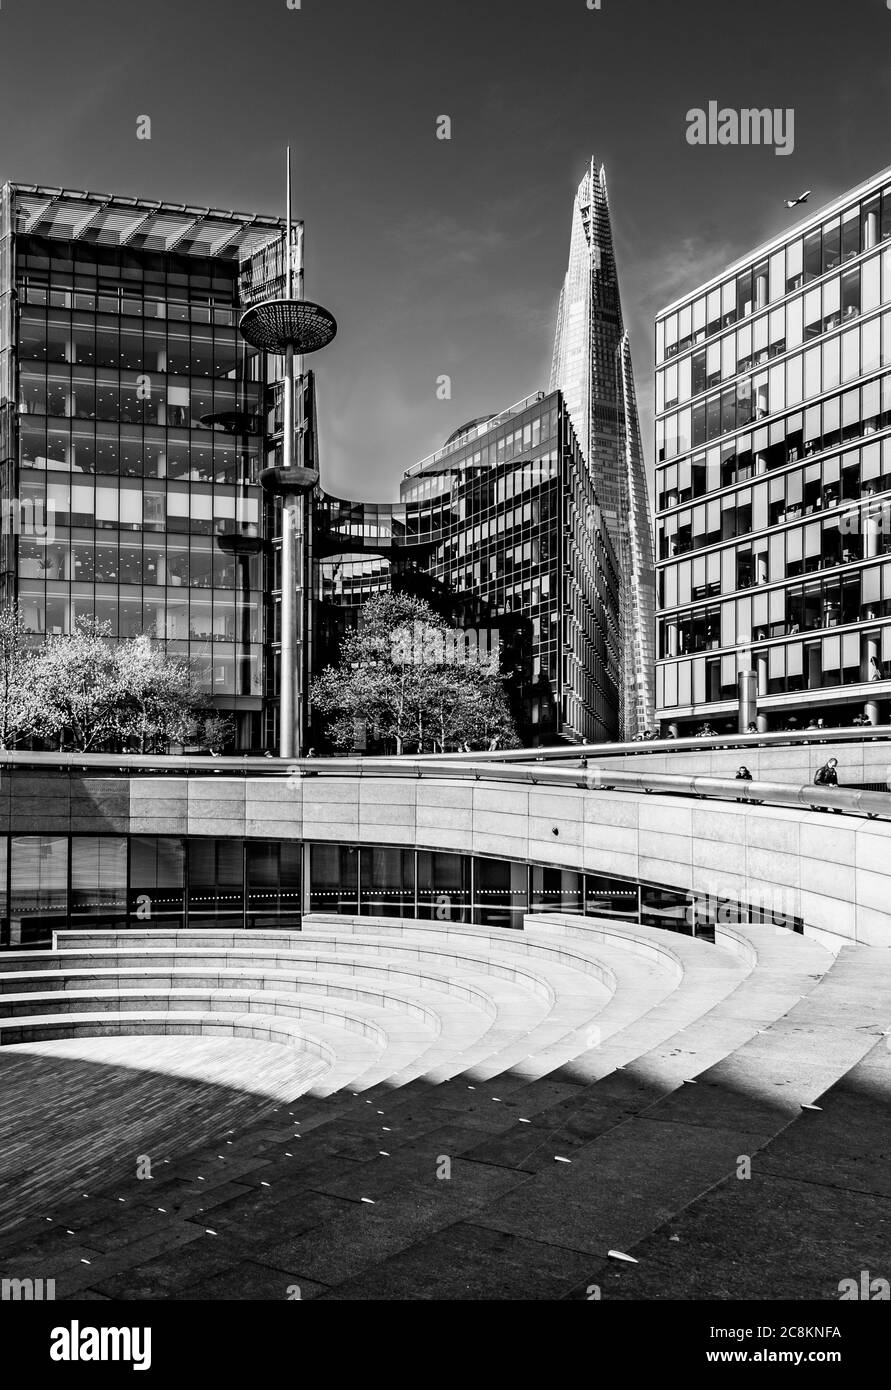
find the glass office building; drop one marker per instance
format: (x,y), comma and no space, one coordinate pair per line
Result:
(773,478)
(501,530)
(132,429)
(592,367)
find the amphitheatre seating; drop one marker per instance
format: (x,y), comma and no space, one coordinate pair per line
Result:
(648,1062)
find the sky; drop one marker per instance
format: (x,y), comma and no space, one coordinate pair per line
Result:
(445,258)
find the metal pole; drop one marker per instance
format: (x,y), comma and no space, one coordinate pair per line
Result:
(301,512)
(288,675)
(289,654)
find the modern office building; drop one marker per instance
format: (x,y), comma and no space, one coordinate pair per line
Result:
(592,367)
(134,427)
(502,532)
(773,477)
(135,422)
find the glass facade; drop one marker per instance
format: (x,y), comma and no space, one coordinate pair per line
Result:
(592,367)
(132,423)
(50,882)
(501,531)
(773,478)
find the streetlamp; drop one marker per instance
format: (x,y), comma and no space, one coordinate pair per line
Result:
(291,327)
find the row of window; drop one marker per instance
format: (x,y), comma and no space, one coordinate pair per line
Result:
(816,312)
(780,555)
(133,398)
(846,476)
(54,610)
(50,882)
(853,480)
(177,507)
(803,377)
(86,448)
(838,420)
(840,239)
(92,297)
(824,602)
(106,558)
(404,524)
(818,664)
(172,347)
(56,260)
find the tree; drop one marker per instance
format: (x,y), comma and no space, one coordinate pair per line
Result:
(159,701)
(101,696)
(16,684)
(402,673)
(76,688)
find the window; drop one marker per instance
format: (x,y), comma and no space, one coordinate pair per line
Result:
(99,878)
(38,888)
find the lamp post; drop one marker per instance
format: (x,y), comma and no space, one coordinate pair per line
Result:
(290,326)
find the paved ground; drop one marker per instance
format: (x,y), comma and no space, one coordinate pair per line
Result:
(453,1192)
(77,1114)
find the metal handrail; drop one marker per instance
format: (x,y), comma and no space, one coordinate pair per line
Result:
(845,799)
(261,766)
(848,800)
(715,743)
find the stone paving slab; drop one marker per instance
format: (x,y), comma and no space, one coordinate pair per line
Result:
(767,1238)
(465,1261)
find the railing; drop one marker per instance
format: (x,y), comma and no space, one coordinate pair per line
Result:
(845,800)
(715,743)
(478,430)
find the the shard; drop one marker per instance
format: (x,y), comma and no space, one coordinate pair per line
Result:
(592,367)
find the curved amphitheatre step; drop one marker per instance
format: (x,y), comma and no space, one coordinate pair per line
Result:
(567,966)
(459,1011)
(636,985)
(566,994)
(646,962)
(354,1040)
(691,1029)
(632,1023)
(401,1027)
(556,988)
(751,976)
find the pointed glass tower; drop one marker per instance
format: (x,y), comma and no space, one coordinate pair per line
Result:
(592,367)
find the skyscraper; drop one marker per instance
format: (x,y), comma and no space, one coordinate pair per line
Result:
(592,367)
(773,478)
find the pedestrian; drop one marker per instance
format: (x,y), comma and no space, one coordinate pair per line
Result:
(743,775)
(827,776)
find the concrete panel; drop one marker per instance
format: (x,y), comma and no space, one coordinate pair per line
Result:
(767,867)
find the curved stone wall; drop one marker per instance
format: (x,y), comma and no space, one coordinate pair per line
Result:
(831,871)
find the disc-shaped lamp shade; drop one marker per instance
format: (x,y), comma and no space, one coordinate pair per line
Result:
(281,482)
(232,421)
(233,543)
(277,324)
